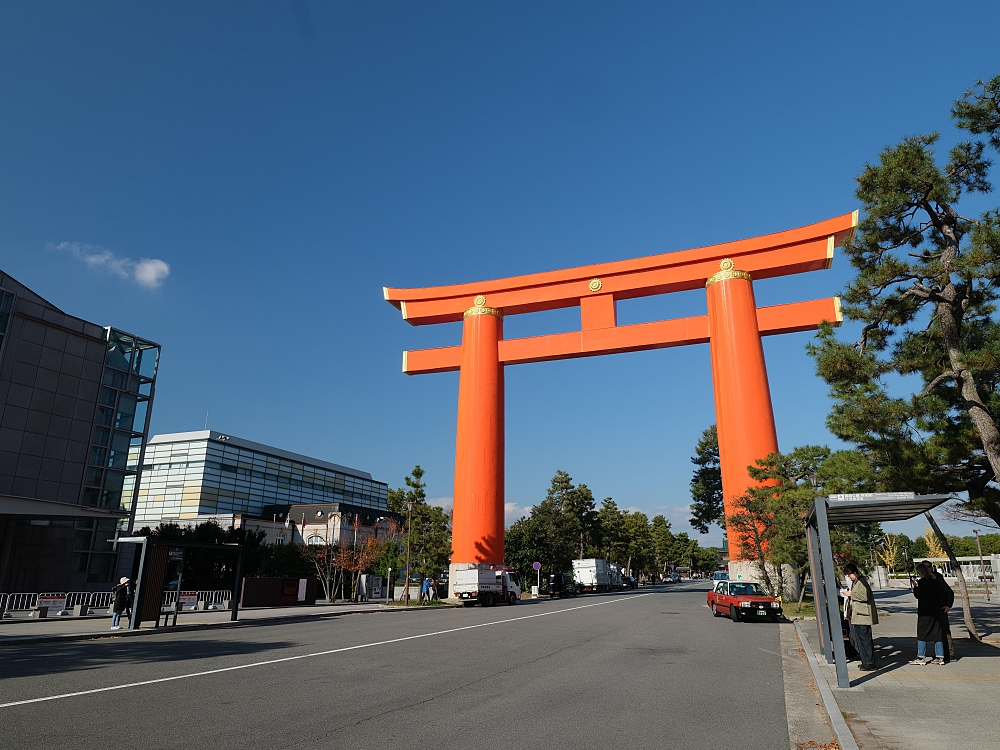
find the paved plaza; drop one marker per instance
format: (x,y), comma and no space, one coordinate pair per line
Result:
(907,707)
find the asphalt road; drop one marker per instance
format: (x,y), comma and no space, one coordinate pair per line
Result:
(644,669)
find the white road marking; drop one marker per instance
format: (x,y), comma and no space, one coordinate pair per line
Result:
(309,656)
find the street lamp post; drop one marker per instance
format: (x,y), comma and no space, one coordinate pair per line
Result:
(406,576)
(379,520)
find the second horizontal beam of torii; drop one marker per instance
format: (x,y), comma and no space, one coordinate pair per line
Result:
(790,318)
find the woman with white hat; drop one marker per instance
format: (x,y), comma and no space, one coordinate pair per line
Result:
(121,602)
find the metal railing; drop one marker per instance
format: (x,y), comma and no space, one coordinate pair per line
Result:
(97,600)
(218,597)
(21,602)
(92,599)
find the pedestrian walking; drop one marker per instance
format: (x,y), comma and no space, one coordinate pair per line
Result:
(120,602)
(863,615)
(933,604)
(425,590)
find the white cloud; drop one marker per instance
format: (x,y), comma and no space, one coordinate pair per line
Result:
(512,512)
(151,272)
(147,272)
(444,502)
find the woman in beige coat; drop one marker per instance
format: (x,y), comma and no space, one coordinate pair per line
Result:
(863,615)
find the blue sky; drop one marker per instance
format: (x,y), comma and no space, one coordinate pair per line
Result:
(286,160)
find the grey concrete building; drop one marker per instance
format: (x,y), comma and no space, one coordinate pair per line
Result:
(75,403)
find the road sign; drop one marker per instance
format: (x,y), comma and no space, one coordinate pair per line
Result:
(55,602)
(536,566)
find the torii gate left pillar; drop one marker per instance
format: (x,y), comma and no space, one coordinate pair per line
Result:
(477,518)
(733,327)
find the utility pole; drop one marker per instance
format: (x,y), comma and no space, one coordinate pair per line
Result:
(406,576)
(982,565)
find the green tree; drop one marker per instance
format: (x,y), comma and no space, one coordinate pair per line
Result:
(768,522)
(610,523)
(706,559)
(638,541)
(990,544)
(662,540)
(559,528)
(706,484)
(579,505)
(925,291)
(521,546)
(429,532)
(919,549)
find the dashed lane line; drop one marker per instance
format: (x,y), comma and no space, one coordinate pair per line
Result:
(313,655)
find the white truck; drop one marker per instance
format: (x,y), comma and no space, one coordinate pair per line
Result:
(594,574)
(486,587)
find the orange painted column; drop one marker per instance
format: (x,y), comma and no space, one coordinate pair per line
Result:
(743,412)
(477,522)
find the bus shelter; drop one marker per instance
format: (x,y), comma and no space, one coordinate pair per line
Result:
(154,556)
(837,510)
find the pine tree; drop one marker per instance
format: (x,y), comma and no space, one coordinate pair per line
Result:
(706,484)
(925,290)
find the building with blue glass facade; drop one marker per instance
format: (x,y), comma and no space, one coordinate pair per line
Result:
(188,475)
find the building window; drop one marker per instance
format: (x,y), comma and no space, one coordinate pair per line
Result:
(6,307)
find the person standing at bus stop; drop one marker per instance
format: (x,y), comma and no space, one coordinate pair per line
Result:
(863,616)
(120,602)
(933,604)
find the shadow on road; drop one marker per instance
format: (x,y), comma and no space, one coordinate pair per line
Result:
(59,658)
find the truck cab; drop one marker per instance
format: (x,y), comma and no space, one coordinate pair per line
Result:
(495,585)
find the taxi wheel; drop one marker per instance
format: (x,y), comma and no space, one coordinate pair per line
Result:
(715,611)
(734,613)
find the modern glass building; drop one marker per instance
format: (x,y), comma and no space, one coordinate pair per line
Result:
(75,404)
(208,473)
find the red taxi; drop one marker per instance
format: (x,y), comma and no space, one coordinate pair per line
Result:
(742,600)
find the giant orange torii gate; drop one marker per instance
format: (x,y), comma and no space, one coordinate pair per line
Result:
(733,329)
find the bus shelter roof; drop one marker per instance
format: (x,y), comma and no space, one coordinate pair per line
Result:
(866,507)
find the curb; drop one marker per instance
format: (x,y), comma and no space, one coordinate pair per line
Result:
(837,723)
(31,640)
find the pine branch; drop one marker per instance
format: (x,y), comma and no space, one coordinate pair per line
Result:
(938,380)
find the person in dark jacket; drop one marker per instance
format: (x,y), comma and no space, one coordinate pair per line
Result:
(932,607)
(121,596)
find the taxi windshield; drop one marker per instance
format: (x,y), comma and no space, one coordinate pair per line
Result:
(747,589)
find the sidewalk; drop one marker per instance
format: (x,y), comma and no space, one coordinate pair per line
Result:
(23,630)
(904,707)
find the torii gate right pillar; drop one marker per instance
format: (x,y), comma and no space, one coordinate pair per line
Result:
(743,413)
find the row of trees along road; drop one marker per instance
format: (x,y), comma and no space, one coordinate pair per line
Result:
(568,525)
(924,292)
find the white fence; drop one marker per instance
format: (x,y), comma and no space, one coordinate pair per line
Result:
(98,600)
(212,599)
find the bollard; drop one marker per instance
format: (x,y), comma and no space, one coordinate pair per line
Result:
(39,612)
(81,610)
